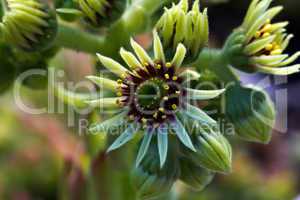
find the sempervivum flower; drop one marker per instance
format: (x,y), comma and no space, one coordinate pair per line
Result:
(151,95)
(28,24)
(181,25)
(99,12)
(262,42)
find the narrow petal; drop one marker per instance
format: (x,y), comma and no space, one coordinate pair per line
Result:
(189,75)
(130,59)
(203,94)
(144,146)
(104,102)
(183,135)
(197,114)
(286,41)
(107,124)
(141,53)
(158,48)
(125,137)
(162,144)
(268,60)
(179,55)
(280,71)
(289,60)
(258,45)
(113,66)
(262,20)
(104,82)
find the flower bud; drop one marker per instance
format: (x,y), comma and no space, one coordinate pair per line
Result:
(213,151)
(179,24)
(259,44)
(101,12)
(251,111)
(195,176)
(150,180)
(28,24)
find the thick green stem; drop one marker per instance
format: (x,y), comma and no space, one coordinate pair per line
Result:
(74,38)
(216,61)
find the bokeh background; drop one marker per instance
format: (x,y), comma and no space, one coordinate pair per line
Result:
(40,157)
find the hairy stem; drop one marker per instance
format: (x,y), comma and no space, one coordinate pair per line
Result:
(216,61)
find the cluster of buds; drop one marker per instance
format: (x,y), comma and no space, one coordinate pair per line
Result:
(95,12)
(28,24)
(179,24)
(259,44)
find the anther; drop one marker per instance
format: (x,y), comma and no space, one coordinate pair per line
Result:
(266,34)
(158,66)
(161,109)
(174,106)
(166,87)
(167,76)
(166,98)
(257,34)
(168,65)
(131,117)
(119,81)
(269,47)
(276,52)
(174,78)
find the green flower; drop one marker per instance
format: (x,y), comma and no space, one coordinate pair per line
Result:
(181,25)
(150,97)
(259,44)
(99,12)
(28,24)
(252,113)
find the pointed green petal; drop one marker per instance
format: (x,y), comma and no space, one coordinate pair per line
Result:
(183,135)
(130,59)
(203,94)
(280,71)
(258,45)
(125,137)
(109,102)
(268,60)
(113,66)
(112,122)
(104,82)
(141,53)
(158,48)
(289,60)
(179,55)
(162,144)
(197,114)
(190,75)
(144,147)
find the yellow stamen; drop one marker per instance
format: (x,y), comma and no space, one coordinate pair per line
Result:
(123,76)
(161,109)
(166,87)
(266,34)
(146,64)
(144,120)
(155,115)
(174,106)
(119,81)
(168,65)
(158,66)
(166,98)
(276,52)
(164,116)
(167,76)
(257,34)
(177,92)
(269,47)
(267,28)
(268,21)
(119,94)
(175,78)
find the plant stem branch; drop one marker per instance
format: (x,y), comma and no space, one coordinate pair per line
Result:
(216,61)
